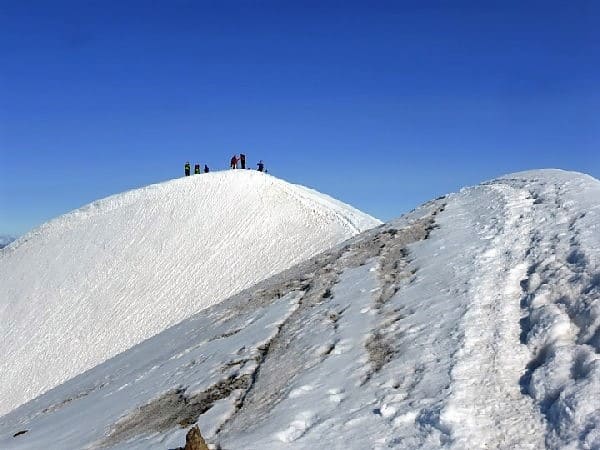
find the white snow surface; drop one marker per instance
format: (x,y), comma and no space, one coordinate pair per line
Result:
(472,322)
(93,283)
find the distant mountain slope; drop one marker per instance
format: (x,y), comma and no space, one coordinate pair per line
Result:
(5,240)
(101,279)
(472,322)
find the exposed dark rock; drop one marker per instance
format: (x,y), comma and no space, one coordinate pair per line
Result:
(194,440)
(174,408)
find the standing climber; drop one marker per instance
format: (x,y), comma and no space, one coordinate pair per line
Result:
(234,161)
(261,166)
(187,169)
(243,160)
(206,169)
(197,169)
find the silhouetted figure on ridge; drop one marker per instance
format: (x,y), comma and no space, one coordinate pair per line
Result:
(206,169)
(187,169)
(234,161)
(243,160)
(197,169)
(261,166)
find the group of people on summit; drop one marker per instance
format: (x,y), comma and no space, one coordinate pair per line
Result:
(187,168)
(235,163)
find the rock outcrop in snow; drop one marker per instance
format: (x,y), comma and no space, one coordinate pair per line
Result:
(472,322)
(194,440)
(101,279)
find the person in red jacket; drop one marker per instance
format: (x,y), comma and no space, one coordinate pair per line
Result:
(234,161)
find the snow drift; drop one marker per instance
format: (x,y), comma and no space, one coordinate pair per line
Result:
(101,279)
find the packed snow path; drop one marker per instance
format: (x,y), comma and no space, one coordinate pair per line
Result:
(101,279)
(472,322)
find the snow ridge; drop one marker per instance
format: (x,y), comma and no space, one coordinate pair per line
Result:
(486,393)
(560,304)
(92,283)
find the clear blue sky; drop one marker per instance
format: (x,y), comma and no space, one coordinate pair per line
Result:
(382,104)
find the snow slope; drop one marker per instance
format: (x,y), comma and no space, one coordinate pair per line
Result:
(472,322)
(101,279)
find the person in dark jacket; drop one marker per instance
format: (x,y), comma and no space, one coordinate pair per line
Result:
(234,161)
(243,160)
(197,169)
(261,166)
(187,169)
(206,169)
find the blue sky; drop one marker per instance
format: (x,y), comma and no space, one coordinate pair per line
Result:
(383,105)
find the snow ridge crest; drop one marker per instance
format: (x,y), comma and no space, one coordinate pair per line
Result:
(121,269)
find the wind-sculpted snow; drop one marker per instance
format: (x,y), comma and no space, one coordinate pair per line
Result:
(101,279)
(472,322)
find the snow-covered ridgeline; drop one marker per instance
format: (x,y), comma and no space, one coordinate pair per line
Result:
(560,305)
(470,323)
(486,368)
(94,282)
(529,369)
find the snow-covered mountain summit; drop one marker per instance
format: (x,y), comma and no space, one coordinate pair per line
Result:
(472,322)
(94,282)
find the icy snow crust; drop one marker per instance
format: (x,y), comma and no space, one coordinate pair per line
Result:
(101,279)
(472,322)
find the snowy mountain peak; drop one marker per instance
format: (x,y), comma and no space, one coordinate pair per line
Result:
(92,283)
